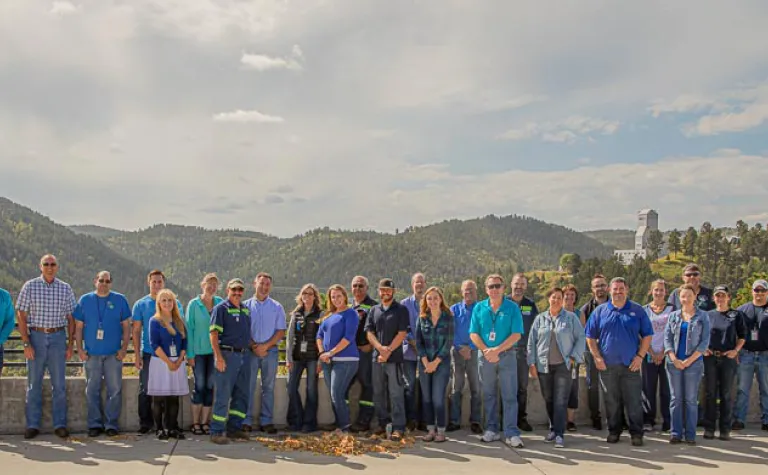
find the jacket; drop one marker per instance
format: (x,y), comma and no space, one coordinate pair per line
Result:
(697,338)
(569,335)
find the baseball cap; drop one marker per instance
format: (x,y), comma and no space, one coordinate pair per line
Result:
(760,283)
(387,284)
(236,283)
(721,288)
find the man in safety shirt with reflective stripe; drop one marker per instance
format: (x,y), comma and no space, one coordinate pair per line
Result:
(231,342)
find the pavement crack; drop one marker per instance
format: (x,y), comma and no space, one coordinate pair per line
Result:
(170,454)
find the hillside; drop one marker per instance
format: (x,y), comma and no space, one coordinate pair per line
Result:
(447,252)
(614,238)
(25,236)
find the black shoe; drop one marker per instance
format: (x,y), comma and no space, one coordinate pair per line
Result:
(709,434)
(308,429)
(725,435)
(269,429)
(597,424)
(144,430)
(94,431)
(737,425)
(665,428)
(176,434)
(675,440)
(452,427)
(476,428)
(524,426)
(161,434)
(571,427)
(112,433)
(690,442)
(31,433)
(246,428)
(357,427)
(422,426)
(61,432)
(637,440)
(410,426)
(613,438)
(239,435)
(764,427)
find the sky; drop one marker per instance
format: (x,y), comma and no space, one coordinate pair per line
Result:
(283,116)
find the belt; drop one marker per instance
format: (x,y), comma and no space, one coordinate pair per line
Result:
(47,330)
(233,349)
(719,353)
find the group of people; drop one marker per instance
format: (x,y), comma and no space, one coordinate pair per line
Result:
(404,354)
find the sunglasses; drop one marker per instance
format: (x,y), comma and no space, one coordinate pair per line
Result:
(692,274)
(358,286)
(494,286)
(759,291)
(49,264)
(105,281)
(237,289)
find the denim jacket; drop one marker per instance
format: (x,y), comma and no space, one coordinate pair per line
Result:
(697,338)
(569,335)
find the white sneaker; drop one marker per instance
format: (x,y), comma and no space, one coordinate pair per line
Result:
(647,428)
(559,442)
(550,437)
(515,442)
(490,436)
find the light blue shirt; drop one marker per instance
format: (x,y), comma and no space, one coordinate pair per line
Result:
(7,320)
(413,314)
(462,317)
(267,318)
(502,323)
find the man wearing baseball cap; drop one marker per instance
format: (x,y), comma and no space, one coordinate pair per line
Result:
(692,276)
(753,358)
(231,339)
(386,326)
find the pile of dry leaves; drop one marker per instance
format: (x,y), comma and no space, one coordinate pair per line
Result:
(337,445)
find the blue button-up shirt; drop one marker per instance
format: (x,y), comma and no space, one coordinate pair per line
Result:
(409,353)
(47,305)
(267,318)
(462,316)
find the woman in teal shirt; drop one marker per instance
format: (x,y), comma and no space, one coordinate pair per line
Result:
(200,352)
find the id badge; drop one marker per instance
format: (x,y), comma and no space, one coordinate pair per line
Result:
(574,372)
(99,334)
(173,350)
(753,335)
(492,336)
(303,347)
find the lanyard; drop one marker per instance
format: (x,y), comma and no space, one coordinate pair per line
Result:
(101,311)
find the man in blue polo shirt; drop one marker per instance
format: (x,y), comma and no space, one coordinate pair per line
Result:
(267,329)
(464,356)
(102,335)
(144,309)
(619,334)
(230,340)
(495,329)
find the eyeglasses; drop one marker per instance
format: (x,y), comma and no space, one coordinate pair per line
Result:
(494,286)
(105,281)
(358,286)
(49,264)
(692,274)
(759,291)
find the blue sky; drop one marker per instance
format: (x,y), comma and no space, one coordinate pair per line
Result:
(281,116)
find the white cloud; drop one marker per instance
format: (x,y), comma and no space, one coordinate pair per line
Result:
(260,62)
(567,131)
(750,116)
(244,116)
(515,103)
(62,8)
(683,104)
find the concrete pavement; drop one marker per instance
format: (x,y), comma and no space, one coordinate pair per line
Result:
(462,454)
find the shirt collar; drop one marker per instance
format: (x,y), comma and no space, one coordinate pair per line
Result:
(613,307)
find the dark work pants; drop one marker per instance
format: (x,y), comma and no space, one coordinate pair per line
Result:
(622,387)
(719,374)
(655,379)
(364,376)
(593,387)
(146,420)
(522,385)
(166,412)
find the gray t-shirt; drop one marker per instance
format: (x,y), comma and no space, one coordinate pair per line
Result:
(555,357)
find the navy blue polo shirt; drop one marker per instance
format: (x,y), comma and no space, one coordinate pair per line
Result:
(105,313)
(619,331)
(233,324)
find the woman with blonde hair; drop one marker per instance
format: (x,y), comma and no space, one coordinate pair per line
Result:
(338,352)
(434,340)
(167,368)
(301,354)
(200,352)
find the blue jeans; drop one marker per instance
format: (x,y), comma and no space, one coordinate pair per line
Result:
(109,369)
(556,388)
(500,376)
(684,398)
(433,389)
(231,393)
(462,367)
(411,395)
(268,368)
(338,376)
(203,372)
(50,353)
(302,416)
(751,362)
(388,380)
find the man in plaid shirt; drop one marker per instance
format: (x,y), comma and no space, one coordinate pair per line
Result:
(47,328)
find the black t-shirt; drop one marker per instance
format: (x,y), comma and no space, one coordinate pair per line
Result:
(727,327)
(386,324)
(529,311)
(362,312)
(756,318)
(590,307)
(704,300)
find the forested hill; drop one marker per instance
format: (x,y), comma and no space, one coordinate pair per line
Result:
(25,236)
(447,252)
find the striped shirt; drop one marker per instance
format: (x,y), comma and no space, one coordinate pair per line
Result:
(47,305)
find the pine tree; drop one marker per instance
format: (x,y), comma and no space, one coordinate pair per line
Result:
(673,242)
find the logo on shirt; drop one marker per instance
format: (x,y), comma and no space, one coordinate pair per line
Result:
(110,305)
(631,314)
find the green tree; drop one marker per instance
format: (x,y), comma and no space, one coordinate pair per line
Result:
(570,263)
(689,242)
(654,244)
(673,242)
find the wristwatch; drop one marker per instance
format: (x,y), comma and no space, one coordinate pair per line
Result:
(26,344)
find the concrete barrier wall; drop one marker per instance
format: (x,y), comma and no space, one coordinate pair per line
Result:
(12,395)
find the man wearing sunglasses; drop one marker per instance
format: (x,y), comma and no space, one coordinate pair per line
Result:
(102,335)
(362,304)
(692,276)
(230,340)
(495,329)
(45,306)
(753,357)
